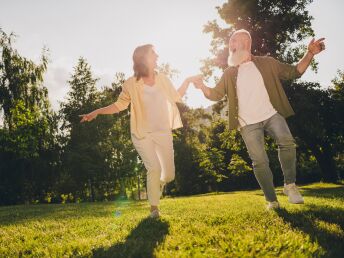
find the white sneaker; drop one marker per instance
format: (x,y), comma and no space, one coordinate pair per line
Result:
(273,205)
(293,193)
(155,214)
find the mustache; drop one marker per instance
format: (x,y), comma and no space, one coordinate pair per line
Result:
(237,56)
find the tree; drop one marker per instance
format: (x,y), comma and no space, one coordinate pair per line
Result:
(20,79)
(82,158)
(28,137)
(186,146)
(121,158)
(337,96)
(276,28)
(322,132)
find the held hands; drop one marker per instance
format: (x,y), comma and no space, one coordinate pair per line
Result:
(197,80)
(193,79)
(88,117)
(315,47)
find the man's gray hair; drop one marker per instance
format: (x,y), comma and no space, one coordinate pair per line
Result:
(242,31)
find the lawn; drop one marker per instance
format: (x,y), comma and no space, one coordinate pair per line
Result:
(232,224)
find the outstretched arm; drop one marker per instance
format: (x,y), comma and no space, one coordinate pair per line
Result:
(182,89)
(122,103)
(314,48)
(111,109)
(199,84)
(214,94)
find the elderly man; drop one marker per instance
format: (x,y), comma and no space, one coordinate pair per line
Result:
(258,103)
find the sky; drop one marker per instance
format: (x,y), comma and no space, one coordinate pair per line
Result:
(106,32)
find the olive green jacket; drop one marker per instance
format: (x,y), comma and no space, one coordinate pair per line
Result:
(272,72)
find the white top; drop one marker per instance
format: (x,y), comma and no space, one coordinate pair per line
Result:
(156,109)
(253,99)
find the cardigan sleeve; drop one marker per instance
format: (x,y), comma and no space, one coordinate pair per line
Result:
(124,99)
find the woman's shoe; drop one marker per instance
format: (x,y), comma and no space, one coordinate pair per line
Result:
(155,214)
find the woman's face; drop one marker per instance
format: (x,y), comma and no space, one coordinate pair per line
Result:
(152,58)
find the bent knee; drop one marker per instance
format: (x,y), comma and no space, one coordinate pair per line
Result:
(286,142)
(168,177)
(154,170)
(260,163)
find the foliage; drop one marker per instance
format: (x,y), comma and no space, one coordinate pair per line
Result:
(276,28)
(28,137)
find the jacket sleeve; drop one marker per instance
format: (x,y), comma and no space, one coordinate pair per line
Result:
(219,91)
(285,71)
(124,99)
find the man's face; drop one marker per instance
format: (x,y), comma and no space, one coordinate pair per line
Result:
(236,42)
(238,49)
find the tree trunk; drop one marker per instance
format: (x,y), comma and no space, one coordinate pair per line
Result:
(138,187)
(123,192)
(90,184)
(326,162)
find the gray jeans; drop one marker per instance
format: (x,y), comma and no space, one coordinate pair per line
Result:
(253,136)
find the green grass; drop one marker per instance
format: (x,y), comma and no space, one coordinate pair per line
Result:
(216,225)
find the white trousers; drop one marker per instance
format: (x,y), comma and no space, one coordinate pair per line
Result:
(157,153)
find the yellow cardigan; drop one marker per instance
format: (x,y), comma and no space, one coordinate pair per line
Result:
(132,94)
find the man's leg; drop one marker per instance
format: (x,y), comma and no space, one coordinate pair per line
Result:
(253,136)
(278,129)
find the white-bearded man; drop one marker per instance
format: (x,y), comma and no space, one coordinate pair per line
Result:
(257,103)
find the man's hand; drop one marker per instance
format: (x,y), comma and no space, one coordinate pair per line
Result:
(197,80)
(199,84)
(194,79)
(315,47)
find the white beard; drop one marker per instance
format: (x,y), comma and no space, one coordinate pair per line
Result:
(238,57)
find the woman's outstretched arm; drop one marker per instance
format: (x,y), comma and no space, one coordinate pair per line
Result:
(122,103)
(182,89)
(108,110)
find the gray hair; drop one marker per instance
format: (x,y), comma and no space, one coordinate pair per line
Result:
(242,31)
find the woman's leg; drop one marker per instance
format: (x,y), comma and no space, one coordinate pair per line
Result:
(147,151)
(163,142)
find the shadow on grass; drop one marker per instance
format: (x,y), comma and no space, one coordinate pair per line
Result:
(323,224)
(18,214)
(141,241)
(336,192)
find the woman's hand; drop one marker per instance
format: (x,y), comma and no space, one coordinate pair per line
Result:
(88,117)
(195,79)
(192,79)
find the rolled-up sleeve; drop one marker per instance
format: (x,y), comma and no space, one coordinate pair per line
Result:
(219,91)
(124,99)
(286,71)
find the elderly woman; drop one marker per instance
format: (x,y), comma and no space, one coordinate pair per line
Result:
(153,115)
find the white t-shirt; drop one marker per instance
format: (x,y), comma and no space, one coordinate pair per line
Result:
(156,108)
(253,99)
